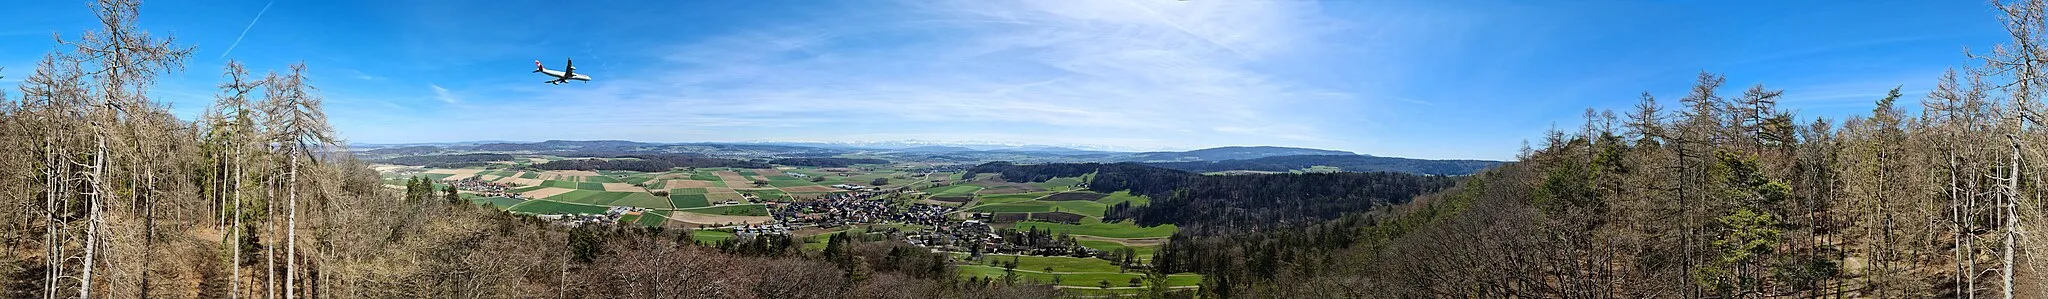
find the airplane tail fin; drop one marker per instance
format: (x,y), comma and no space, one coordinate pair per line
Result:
(537,67)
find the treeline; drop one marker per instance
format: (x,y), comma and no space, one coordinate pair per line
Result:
(114,197)
(1203,205)
(646,163)
(1352,163)
(1221,204)
(1726,196)
(826,162)
(1250,231)
(449,161)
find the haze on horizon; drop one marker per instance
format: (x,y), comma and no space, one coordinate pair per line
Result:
(1399,78)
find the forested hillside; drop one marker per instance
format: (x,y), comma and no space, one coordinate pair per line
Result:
(1355,163)
(646,163)
(1724,195)
(449,161)
(111,196)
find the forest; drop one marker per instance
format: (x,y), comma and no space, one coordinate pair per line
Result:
(240,203)
(825,162)
(1354,163)
(1723,194)
(449,161)
(646,163)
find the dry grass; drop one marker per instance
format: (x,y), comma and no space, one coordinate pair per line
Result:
(546,192)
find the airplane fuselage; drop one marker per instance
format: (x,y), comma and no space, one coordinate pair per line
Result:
(558,75)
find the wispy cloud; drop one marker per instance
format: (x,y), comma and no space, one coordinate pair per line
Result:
(1176,73)
(245,30)
(444,95)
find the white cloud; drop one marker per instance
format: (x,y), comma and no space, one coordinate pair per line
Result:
(1154,73)
(444,95)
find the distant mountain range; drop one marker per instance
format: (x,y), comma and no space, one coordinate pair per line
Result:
(1229,158)
(1231,153)
(1353,163)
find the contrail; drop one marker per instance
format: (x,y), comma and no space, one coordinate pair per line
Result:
(245,30)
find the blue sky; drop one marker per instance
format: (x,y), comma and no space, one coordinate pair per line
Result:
(1430,79)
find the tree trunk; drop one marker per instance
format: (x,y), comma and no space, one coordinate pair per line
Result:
(2012,219)
(291,248)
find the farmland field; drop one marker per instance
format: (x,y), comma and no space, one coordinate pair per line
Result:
(590,186)
(1094,227)
(600,179)
(732,210)
(555,207)
(1142,251)
(769,194)
(1076,195)
(789,183)
(653,219)
(1008,198)
(687,201)
(953,190)
(643,200)
(710,236)
(1022,207)
(497,202)
(1124,196)
(559,184)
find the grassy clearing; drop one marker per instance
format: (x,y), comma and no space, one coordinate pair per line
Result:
(575,196)
(1142,251)
(1021,207)
(528,188)
(1058,184)
(542,206)
(604,198)
(954,190)
(732,210)
(688,201)
(1039,263)
(561,184)
(767,194)
(643,200)
(1125,196)
(1009,198)
(497,202)
(710,236)
(1093,227)
(654,219)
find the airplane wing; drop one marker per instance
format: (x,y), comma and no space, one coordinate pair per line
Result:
(570,70)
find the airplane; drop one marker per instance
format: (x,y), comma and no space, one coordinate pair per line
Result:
(562,76)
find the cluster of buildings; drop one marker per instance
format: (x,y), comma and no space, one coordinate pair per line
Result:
(965,236)
(484,188)
(855,187)
(837,209)
(751,230)
(609,216)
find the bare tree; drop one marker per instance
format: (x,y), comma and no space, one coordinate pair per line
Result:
(298,128)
